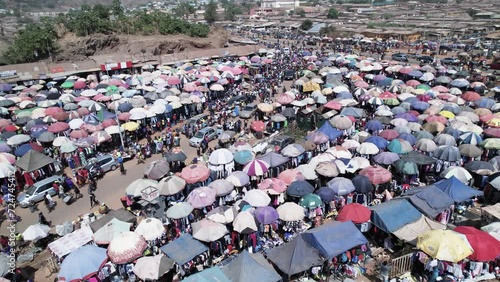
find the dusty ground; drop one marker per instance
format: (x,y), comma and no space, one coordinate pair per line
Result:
(73,48)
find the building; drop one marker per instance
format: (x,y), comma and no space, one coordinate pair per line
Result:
(279,4)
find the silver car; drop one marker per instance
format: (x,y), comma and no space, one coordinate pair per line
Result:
(107,162)
(248,111)
(208,132)
(36,192)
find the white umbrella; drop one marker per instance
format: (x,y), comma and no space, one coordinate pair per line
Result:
(245,223)
(60,140)
(152,268)
(135,188)
(216,87)
(208,231)
(76,123)
(36,232)
(18,139)
(64,229)
(126,247)
(257,198)
(112,229)
(307,171)
(368,148)
(220,157)
(290,211)
(114,129)
(68,147)
(150,229)
(6,170)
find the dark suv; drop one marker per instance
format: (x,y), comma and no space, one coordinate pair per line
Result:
(400,57)
(425,59)
(281,142)
(289,75)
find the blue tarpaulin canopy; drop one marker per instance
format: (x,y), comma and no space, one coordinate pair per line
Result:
(429,200)
(250,268)
(212,274)
(394,214)
(334,238)
(184,249)
(330,131)
(457,190)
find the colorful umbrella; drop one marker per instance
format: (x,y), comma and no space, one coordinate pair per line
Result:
(354,212)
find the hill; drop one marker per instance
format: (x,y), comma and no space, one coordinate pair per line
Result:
(61,5)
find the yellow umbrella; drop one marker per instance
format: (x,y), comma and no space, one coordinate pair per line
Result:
(494,122)
(311,86)
(447,114)
(265,107)
(418,91)
(444,245)
(491,144)
(327,91)
(130,126)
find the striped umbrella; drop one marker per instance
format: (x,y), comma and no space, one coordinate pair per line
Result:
(256,168)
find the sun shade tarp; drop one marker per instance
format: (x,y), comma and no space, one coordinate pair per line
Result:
(394,214)
(457,190)
(120,214)
(295,256)
(248,267)
(430,200)
(212,274)
(330,131)
(410,232)
(334,238)
(33,160)
(184,249)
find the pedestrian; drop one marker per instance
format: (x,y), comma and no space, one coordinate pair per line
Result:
(385,269)
(42,219)
(93,201)
(48,202)
(32,206)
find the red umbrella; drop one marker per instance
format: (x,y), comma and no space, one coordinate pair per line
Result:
(195,173)
(333,105)
(376,174)
(78,133)
(124,116)
(440,119)
(60,116)
(53,110)
(258,126)
(58,127)
(93,128)
(83,111)
(389,134)
(485,246)
(486,118)
(36,147)
(493,132)
(73,115)
(10,128)
(108,122)
(413,83)
(355,212)
(471,96)
(387,95)
(173,80)
(79,85)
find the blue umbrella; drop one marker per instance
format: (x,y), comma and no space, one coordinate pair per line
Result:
(243,157)
(91,119)
(398,110)
(471,138)
(22,150)
(344,95)
(341,186)
(408,137)
(125,107)
(380,142)
(416,74)
(385,82)
(453,132)
(362,184)
(326,194)
(420,106)
(83,263)
(386,158)
(306,53)
(485,103)
(411,100)
(5,87)
(299,188)
(266,215)
(374,125)
(460,82)
(452,108)
(407,116)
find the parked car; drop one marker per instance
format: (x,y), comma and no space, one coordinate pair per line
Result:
(400,57)
(209,132)
(106,162)
(248,111)
(280,142)
(450,61)
(289,75)
(425,59)
(36,192)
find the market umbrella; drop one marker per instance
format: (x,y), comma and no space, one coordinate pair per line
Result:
(179,210)
(243,157)
(201,197)
(68,147)
(457,171)
(328,169)
(150,229)
(257,198)
(82,263)
(256,168)
(238,178)
(220,157)
(171,185)
(195,173)
(326,194)
(470,150)
(480,167)
(486,247)
(273,186)
(317,137)
(156,169)
(6,170)
(407,167)
(399,146)
(175,156)
(126,247)
(112,229)
(299,188)
(290,211)
(208,231)
(152,268)
(426,145)
(362,184)
(444,245)
(376,174)
(368,148)
(341,186)
(135,188)
(310,201)
(245,223)
(18,139)
(223,214)
(36,232)
(222,187)
(266,215)
(293,150)
(65,228)
(447,153)
(354,212)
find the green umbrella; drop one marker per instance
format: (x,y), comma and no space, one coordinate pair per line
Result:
(392,102)
(423,86)
(68,84)
(310,201)
(25,112)
(406,167)
(112,89)
(241,63)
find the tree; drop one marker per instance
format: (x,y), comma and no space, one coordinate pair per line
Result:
(327,30)
(35,42)
(306,25)
(300,12)
(231,9)
(332,14)
(184,9)
(211,12)
(116,8)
